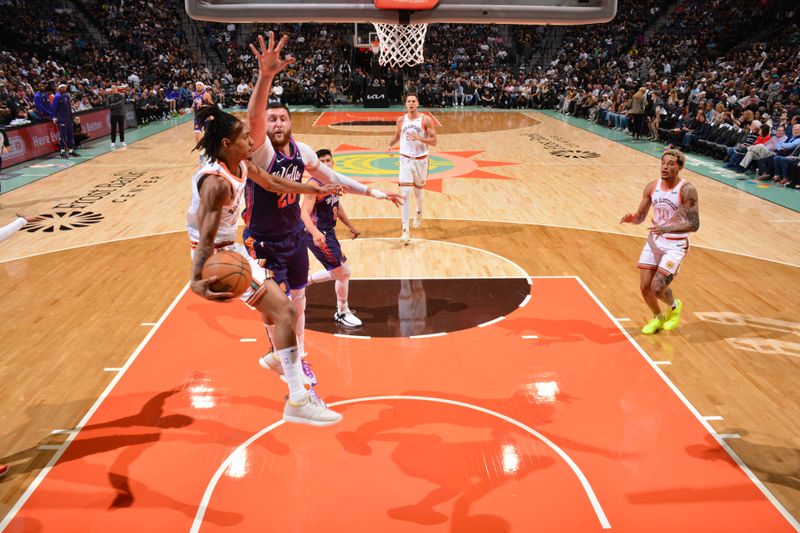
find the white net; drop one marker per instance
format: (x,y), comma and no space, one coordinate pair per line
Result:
(401,45)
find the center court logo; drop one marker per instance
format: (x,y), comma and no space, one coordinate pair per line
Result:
(63,221)
(367,165)
(383,165)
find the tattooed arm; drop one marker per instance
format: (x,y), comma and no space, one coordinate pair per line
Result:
(689,212)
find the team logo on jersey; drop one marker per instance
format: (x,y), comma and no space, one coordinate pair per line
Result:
(368,166)
(575,154)
(63,221)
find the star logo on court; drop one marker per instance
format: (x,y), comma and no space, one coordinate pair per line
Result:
(367,165)
(63,221)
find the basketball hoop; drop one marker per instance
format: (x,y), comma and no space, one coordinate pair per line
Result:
(400,45)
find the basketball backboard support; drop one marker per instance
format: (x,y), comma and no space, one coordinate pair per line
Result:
(444,11)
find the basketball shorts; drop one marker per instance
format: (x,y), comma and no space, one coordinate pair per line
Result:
(413,171)
(286,259)
(330,255)
(257,271)
(199,125)
(664,254)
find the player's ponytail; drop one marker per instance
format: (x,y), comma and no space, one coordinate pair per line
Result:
(218,125)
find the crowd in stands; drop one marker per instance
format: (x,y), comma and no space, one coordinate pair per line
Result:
(680,71)
(697,84)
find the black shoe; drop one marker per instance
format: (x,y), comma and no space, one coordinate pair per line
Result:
(74,154)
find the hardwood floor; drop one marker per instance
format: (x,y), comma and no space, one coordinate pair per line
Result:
(75,299)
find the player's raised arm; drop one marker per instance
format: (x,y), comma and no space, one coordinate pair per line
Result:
(214,193)
(326,174)
(270,63)
(644,207)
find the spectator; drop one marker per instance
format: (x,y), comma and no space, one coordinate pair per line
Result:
(762,153)
(78,132)
(736,153)
(42,102)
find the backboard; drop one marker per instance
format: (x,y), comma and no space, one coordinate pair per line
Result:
(444,11)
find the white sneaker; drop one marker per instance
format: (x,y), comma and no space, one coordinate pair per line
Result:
(113,146)
(405,238)
(418,219)
(348,319)
(310,410)
(272,362)
(124,144)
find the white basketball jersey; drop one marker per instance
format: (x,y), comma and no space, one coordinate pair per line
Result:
(666,205)
(407,146)
(227,230)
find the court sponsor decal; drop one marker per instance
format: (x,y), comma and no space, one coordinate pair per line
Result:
(761,345)
(63,221)
(368,165)
(73,214)
(561,147)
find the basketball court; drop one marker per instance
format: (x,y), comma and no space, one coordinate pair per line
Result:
(499,383)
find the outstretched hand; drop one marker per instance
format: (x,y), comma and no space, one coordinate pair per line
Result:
(29,218)
(628,218)
(330,188)
(269,55)
(395,198)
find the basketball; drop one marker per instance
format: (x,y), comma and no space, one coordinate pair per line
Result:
(231,270)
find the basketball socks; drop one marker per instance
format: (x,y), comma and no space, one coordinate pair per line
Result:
(418,196)
(406,209)
(675,304)
(341,296)
(321,276)
(299,302)
(293,372)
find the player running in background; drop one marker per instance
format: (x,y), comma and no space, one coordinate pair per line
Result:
(200,98)
(416,133)
(675,215)
(320,215)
